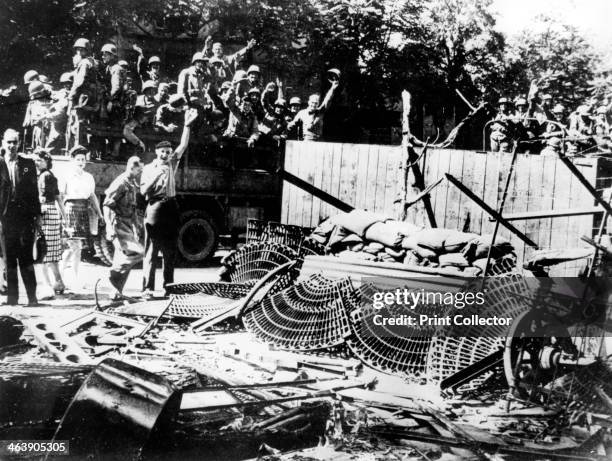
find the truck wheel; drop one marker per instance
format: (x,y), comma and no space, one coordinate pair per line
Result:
(197,239)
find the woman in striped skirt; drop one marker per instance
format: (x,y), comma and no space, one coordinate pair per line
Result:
(52,210)
(78,191)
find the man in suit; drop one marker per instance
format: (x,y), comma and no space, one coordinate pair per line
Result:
(20,220)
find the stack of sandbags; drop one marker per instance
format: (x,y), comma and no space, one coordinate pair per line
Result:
(360,235)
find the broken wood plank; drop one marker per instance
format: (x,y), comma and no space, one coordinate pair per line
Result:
(491,211)
(551,214)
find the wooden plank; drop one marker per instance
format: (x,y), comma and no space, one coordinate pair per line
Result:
(432,169)
(291,159)
(560,226)
(464,214)
(505,161)
(348,176)
(318,162)
(478,186)
(381,176)
(326,182)
(549,168)
(336,151)
(490,187)
(520,189)
(564,212)
(534,192)
(442,189)
(371,182)
(393,178)
(306,172)
(361,185)
(451,217)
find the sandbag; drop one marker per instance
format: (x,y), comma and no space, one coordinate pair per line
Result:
(443,240)
(373,248)
(404,228)
(358,221)
(452,259)
(356,256)
(385,234)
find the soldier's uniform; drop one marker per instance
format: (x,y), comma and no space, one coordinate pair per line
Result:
(114,95)
(192,81)
(121,199)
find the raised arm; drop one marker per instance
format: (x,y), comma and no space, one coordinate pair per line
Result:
(190,116)
(328,97)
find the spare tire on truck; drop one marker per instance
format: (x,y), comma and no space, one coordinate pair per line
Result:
(198,236)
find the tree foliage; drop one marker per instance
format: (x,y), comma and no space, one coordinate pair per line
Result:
(430,47)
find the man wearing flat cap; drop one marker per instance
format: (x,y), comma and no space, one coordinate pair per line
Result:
(158,186)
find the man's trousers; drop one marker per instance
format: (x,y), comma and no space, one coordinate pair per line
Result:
(161,233)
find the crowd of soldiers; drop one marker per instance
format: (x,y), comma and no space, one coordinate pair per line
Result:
(231,101)
(542,125)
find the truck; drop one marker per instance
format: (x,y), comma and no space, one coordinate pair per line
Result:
(219,187)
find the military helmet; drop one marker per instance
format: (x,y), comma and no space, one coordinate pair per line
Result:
(36,89)
(81,43)
(154,60)
(502,101)
(333,74)
(546,96)
(253,69)
(66,77)
(254,91)
(520,102)
(240,76)
(295,101)
(109,48)
(123,63)
(29,76)
(558,109)
(198,56)
(226,85)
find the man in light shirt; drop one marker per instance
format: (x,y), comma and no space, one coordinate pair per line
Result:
(158,186)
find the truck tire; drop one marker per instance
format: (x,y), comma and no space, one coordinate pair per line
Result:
(198,236)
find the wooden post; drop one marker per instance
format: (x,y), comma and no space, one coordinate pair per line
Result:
(412,162)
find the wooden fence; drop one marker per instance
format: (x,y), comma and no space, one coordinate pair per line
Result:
(370,177)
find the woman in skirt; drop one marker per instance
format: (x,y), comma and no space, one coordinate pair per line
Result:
(52,210)
(78,193)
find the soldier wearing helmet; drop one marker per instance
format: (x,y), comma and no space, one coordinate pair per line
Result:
(273,124)
(254,76)
(501,128)
(231,62)
(242,121)
(83,96)
(555,125)
(295,105)
(149,70)
(30,76)
(40,103)
(113,80)
(147,103)
(219,70)
(58,115)
(193,79)
(581,130)
(311,119)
